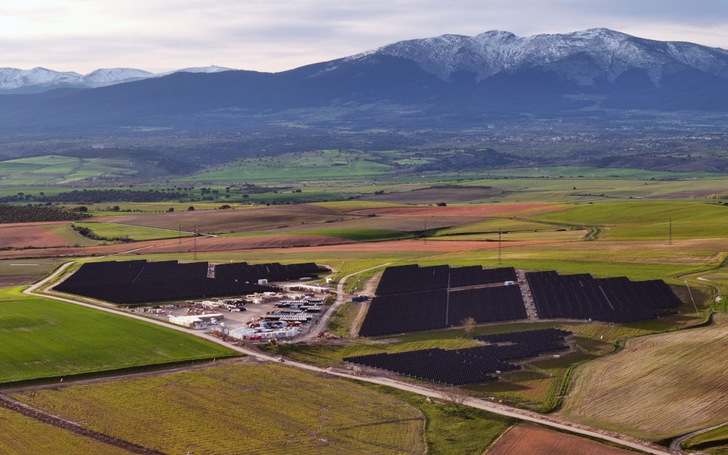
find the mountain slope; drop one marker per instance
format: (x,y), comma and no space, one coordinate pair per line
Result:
(448,79)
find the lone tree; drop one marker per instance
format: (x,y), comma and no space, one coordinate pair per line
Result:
(468,325)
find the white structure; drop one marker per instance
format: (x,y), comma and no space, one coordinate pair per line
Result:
(200,321)
(257,333)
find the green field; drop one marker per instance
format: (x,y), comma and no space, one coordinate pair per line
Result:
(111,231)
(41,338)
(269,409)
(649,220)
(296,167)
(45,170)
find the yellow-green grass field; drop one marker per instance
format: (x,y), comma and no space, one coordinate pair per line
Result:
(23,435)
(600,188)
(649,220)
(131,232)
(659,386)
(41,338)
(70,235)
(257,408)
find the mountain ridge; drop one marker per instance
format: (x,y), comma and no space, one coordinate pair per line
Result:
(451,80)
(39,79)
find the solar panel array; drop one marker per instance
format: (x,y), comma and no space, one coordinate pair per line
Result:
(491,304)
(251,273)
(412,299)
(135,282)
(470,365)
(404,313)
(413,278)
(606,299)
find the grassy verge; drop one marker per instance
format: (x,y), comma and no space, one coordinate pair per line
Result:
(716,439)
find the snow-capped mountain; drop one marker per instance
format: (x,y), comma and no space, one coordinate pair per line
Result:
(13,78)
(41,79)
(110,76)
(451,78)
(609,53)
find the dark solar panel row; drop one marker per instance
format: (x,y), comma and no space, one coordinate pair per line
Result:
(133,282)
(413,278)
(405,313)
(465,366)
(251,273)
(430,310)
(492,304)
(608,299)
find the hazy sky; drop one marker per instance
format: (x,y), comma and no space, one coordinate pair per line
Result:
(276,35)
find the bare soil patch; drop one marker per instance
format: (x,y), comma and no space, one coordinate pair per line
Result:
(531,438)
(28,235)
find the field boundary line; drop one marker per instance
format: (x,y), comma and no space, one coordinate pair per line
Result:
(69,425)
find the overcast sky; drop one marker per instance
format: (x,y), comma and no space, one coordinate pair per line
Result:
(276,35)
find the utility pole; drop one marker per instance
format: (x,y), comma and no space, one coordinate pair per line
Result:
(195,244)
(500,239)
(670,233)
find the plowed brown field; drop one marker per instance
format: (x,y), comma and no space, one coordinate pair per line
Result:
(528,438)
(28,235)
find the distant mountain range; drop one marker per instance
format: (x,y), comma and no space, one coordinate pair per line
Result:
(448,80)
(16,81)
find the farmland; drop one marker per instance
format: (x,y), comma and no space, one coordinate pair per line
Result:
(111,231)
(657,387)
(544,224)
(529,438)
(47,339)
(46,170)
(24,272)
(24,436)
(171,413)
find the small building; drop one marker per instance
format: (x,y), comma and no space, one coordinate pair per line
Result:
(198,321)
